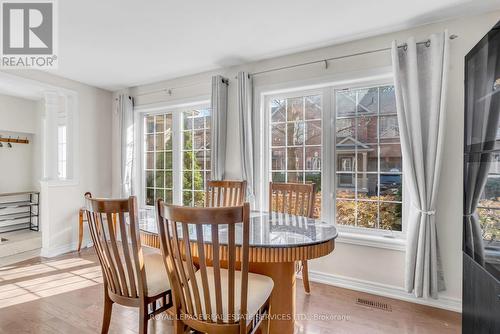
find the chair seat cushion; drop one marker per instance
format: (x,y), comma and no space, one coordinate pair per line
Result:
(259,290)
(156,275)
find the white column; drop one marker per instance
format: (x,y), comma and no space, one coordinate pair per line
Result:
(49,135)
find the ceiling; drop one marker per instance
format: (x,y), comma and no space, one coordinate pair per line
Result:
(114,44)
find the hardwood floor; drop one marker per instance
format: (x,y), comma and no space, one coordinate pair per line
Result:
(64,295)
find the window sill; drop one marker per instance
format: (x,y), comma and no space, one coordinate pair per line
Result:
(370,240)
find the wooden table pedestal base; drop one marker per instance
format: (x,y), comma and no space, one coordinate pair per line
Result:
(283,298)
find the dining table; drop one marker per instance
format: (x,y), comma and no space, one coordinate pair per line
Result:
(277,242)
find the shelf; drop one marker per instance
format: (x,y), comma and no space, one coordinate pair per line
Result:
(16,216)
(15,227)
(26,212)
(19,193)
(19,204)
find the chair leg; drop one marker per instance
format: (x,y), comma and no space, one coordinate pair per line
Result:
(305,276)
(143,319)
(80,230)
(108,307)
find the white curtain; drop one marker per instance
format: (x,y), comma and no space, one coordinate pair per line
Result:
(125,111)
(218,130)
(245,99)
(420,75)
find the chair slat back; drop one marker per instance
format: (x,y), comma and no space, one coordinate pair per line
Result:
(225,193)
(292,198)
(188,233)
(117,244)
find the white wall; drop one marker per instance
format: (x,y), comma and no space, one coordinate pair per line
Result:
(17,119)
(17,114)
(61,201)
(17,164)
(369,267)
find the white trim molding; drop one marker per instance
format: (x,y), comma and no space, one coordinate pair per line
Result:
(371,240)
(59,250)
(384,290)
(172,104)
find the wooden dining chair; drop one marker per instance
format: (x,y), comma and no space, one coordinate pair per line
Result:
(82,216)
(295,199)
(212,299)
(225,193)
(134,275)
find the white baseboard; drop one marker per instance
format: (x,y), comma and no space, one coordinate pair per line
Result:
(391,291)
(71,247)
(55,251)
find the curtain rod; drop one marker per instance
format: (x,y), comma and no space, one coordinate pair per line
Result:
(169,90)
(226,81)
(326,60)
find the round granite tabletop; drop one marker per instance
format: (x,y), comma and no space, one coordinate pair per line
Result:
(266,230)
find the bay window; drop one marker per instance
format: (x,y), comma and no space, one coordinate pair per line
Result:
(158,158)
(345,139)
(296,142)
(176,155)
(369,164)
(195,156)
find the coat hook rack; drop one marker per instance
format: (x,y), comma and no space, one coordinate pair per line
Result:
(15,141)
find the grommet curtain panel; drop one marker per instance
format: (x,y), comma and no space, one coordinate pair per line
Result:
(219,124)
(245,105)
(420,76)
(125,111)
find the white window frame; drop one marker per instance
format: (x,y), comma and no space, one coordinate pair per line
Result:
(325,143)
(394,240)
(176,109)
(62,150)
(357,229)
